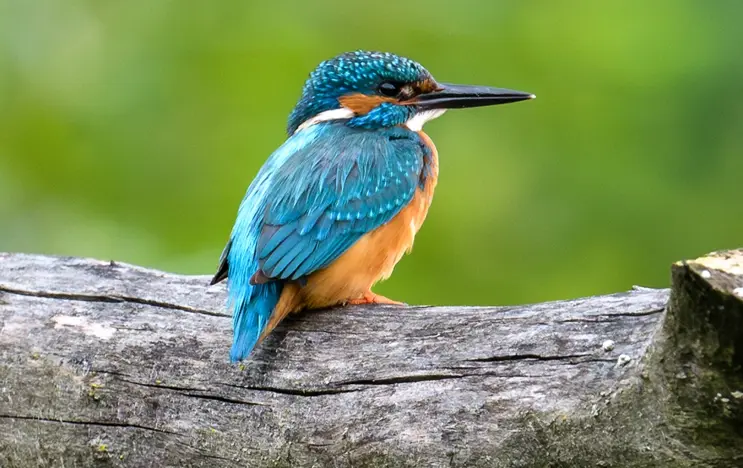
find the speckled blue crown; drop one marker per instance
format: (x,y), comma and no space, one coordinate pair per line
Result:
(352,72)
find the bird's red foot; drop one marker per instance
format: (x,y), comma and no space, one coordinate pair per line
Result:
(371,298)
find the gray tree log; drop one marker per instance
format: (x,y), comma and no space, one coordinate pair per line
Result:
(106,364)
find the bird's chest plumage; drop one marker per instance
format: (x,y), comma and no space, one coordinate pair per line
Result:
(424,195)
(374,256)
(395,238)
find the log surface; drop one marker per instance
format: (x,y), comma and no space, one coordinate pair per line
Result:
(107,364)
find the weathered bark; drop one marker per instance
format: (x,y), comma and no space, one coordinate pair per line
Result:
(105,364)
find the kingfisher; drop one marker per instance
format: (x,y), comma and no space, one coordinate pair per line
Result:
(336,206)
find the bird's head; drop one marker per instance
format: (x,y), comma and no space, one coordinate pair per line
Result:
(376,90)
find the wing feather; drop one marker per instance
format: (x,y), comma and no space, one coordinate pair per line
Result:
(333,192)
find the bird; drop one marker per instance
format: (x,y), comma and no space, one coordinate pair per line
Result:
(336,206)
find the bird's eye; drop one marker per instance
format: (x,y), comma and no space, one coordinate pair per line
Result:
(389,89)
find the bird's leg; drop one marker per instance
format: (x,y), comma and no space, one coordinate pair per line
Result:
(372,298)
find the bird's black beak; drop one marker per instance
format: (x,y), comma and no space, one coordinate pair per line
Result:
(451,96)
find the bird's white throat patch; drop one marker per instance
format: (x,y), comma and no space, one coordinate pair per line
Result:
(333,114)
(417,122)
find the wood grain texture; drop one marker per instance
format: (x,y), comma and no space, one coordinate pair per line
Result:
(106,364)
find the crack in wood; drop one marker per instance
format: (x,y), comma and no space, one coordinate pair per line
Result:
(191,392)
(88,423)
(163,386)
(294,392)
(207,396)
(527,357)
(641,313)
(611,318)
(111,298)
(402,379)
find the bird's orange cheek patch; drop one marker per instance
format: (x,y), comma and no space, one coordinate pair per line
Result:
(361,104)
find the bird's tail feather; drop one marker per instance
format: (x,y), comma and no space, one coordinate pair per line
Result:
(250,317)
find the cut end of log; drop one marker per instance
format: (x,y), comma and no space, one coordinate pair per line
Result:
(706,313)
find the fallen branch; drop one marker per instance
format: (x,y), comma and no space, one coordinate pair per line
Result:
(122,366)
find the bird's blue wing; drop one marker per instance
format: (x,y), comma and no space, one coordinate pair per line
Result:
(332,192)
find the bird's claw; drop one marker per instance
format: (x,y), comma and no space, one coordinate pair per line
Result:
(372,298)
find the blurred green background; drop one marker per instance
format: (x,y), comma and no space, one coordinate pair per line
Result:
(130,131)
